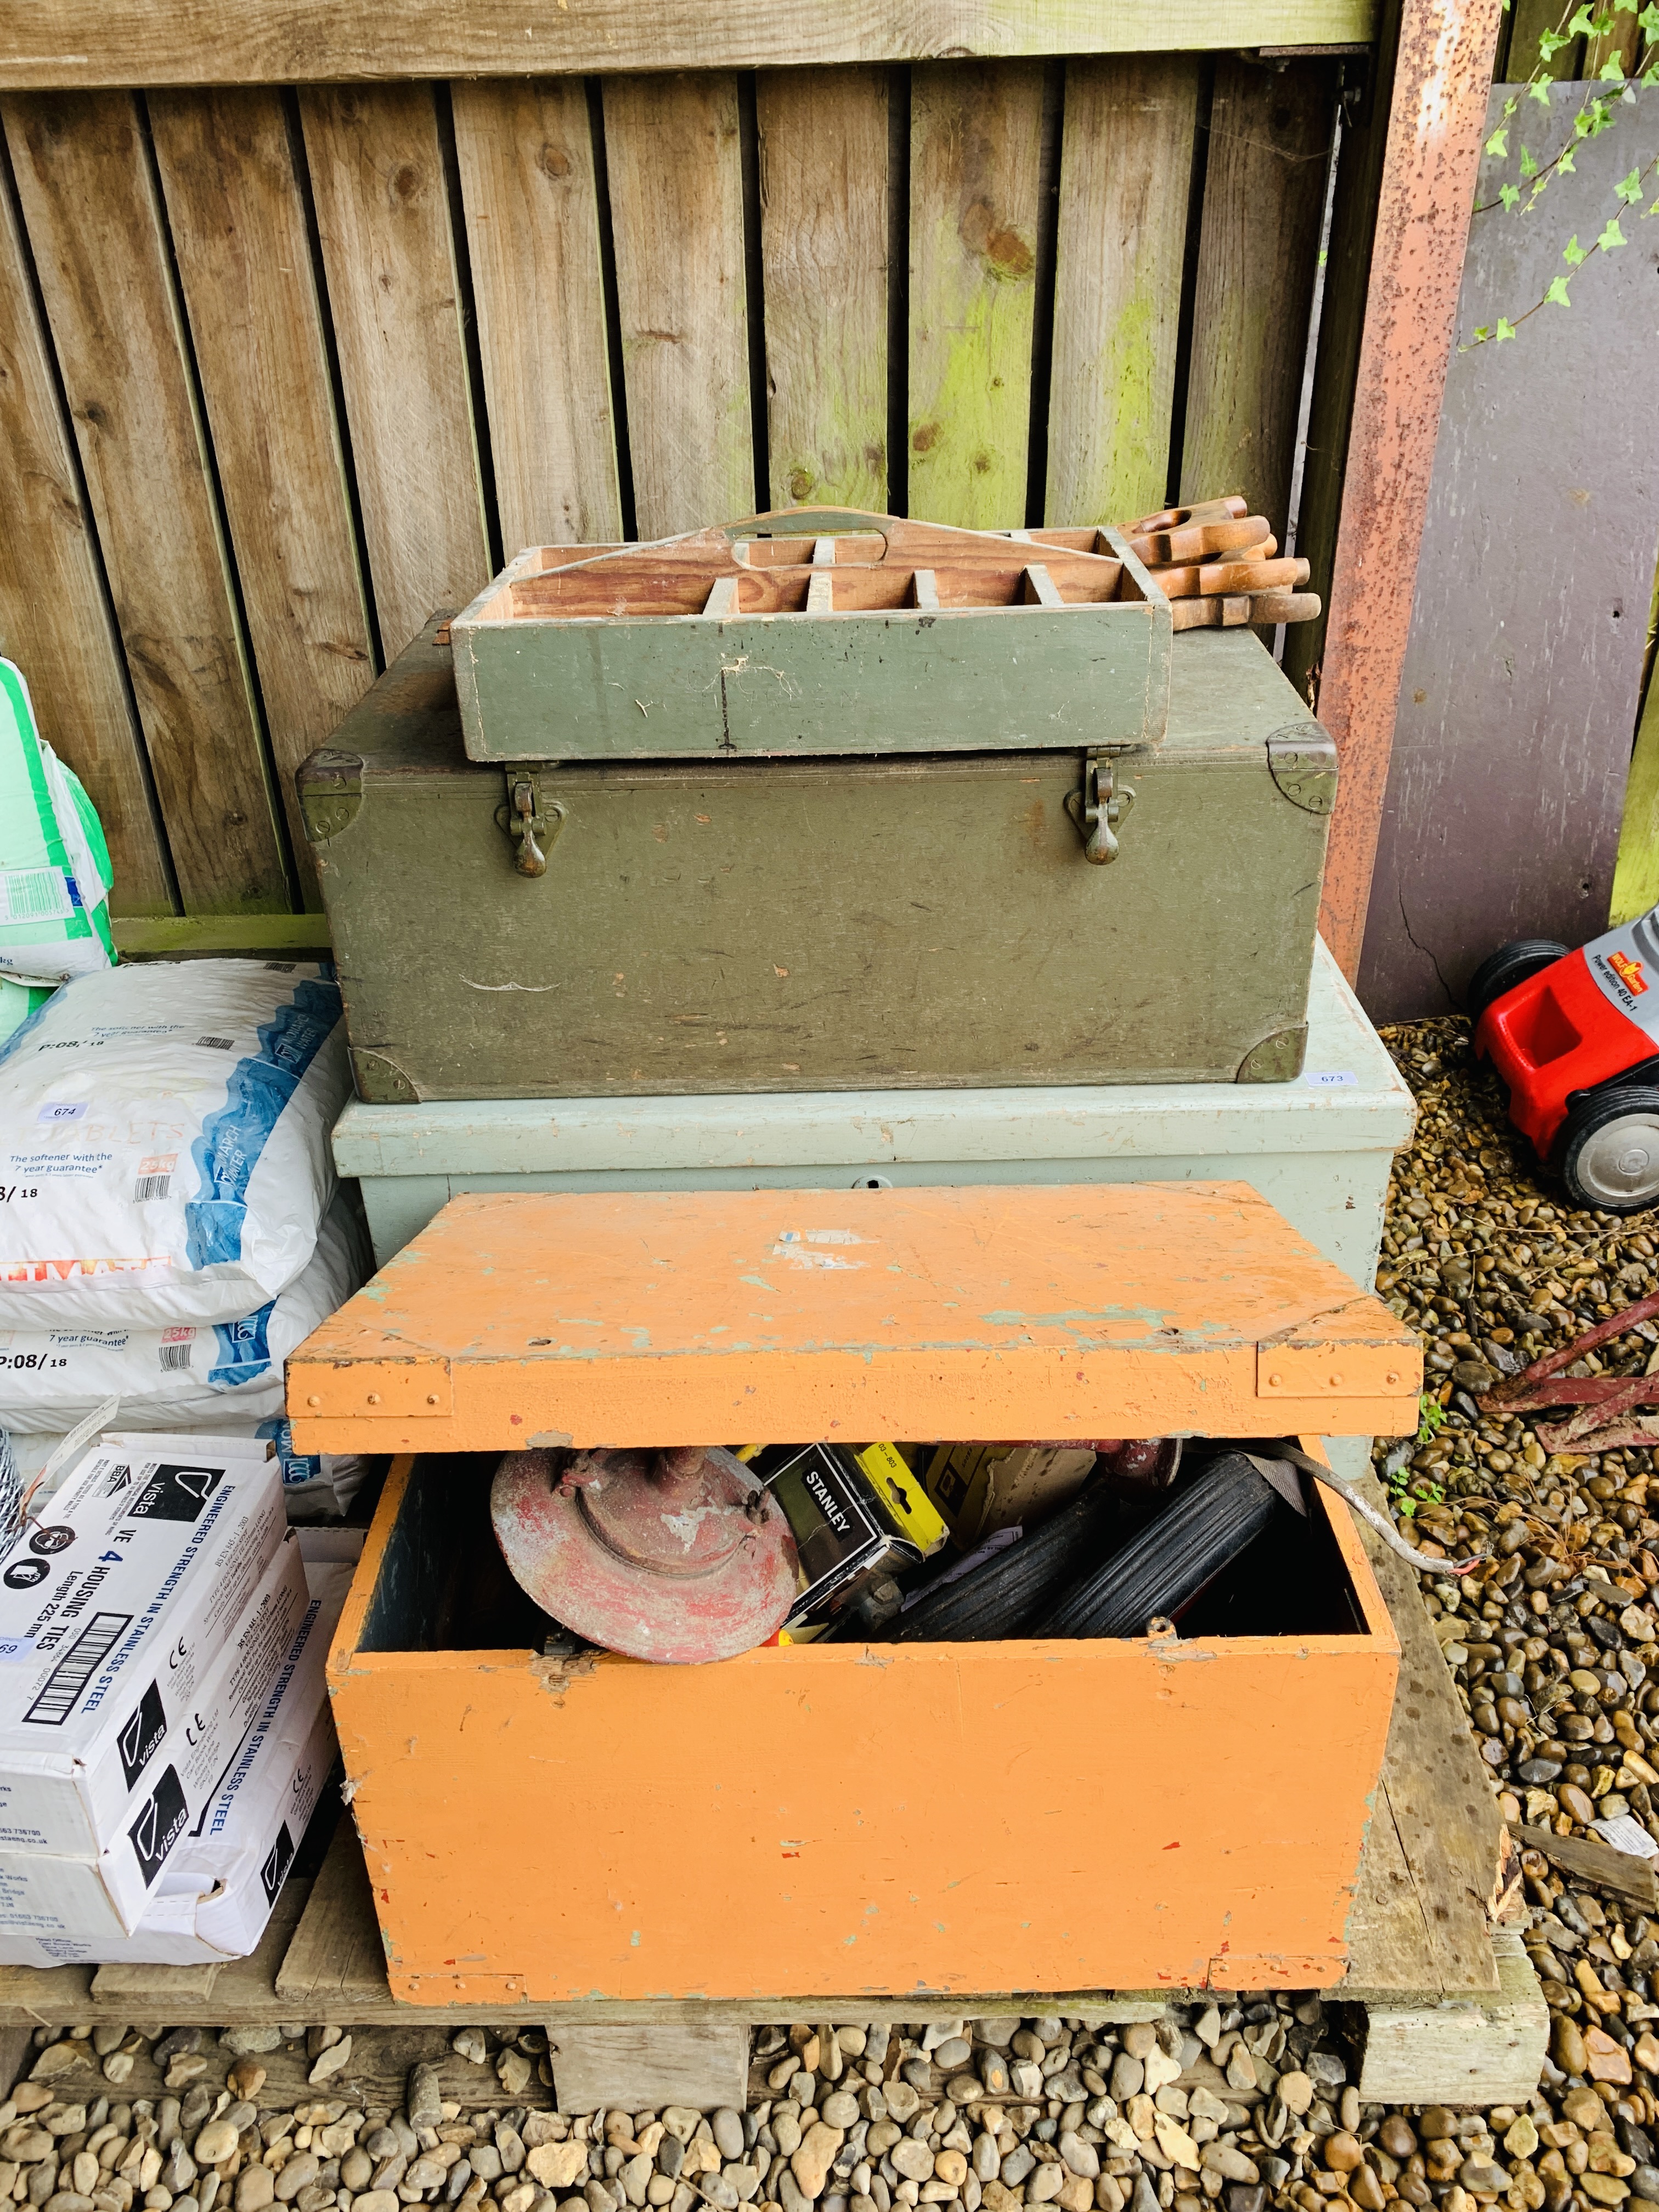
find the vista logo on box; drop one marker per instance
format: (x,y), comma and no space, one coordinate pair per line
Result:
(160,1824)
(175,1493)
(141,1735)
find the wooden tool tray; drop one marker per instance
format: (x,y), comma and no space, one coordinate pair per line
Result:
(814,631)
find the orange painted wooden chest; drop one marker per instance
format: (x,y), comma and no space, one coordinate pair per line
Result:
(838,1819)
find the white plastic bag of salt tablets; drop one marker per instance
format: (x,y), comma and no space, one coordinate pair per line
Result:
(164,1143)
(180,1376)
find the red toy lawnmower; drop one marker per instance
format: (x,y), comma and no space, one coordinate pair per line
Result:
(1576,1038)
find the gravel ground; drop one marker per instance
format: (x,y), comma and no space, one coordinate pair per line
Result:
(1241,2100)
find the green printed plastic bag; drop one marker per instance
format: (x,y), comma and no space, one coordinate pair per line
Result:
(54,864)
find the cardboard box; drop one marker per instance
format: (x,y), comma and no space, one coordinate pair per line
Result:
(981,1488)
(219,1885)
(103,1894)
(114,1608)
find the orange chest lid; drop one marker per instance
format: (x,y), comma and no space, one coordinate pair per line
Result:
(977,1314)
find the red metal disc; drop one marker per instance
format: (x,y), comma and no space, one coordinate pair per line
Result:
(669,1556)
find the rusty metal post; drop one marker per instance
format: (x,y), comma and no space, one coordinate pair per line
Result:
(1442,76)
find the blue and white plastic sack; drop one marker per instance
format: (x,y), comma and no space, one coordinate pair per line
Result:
(184,1375)
(54,865)
(164,1143)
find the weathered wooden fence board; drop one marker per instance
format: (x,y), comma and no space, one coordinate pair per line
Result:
(677,208)
(309,41)
(975,142)
(383,215)
(825,199)
(525,154)
(1518,697)
(1264,191)
(238,231)
(1126,168)
(89,202)
(53,617)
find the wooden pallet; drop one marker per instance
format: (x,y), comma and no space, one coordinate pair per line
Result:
(1444,2003)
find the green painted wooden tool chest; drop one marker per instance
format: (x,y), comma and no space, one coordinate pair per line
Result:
(814,632)
(920,921)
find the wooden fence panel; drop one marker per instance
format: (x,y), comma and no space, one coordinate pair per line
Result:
(1264,191)
(377,175)
(1125,173)
(525,153)
(675,170)
(93,221)
(975,148)
(54,622)
(364,444)
(825,202)
(238,231)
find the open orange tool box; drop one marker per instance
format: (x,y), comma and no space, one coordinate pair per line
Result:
(840,1818)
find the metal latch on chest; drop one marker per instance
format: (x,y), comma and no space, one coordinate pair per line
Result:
(531,822)
(1100,809)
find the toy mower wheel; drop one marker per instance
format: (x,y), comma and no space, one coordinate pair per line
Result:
(1510,964)
(1608,1149)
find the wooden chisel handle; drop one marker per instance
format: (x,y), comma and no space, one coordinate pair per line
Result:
(1220,579)
(1230,613)
(1285,606)
(1199,543)
(1177,518)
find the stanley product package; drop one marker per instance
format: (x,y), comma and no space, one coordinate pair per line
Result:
(981,1488)
(55,874)
(112,1610)
(104,1894)
(218,1885)
(164,1143)
(855,1514)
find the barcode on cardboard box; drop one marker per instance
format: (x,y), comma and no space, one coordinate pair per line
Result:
(216,1044)
(69,1677)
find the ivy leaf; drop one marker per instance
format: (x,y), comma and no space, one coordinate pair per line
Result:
(1580,25)
(1511,196)
(1481,334)
(1538,89)
(1628,189)
(1611,236)
(1565,161)
(1573,254)
(1601,114)
(1625,7)
(1649,19)
(1498,144)
(1529,167)
(1556,294)
(1612,71)
(1552,43)
(1505,329)
(1509,106)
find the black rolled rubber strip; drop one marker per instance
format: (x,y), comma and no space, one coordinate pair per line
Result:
(1002,1594)
(1207,1524)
